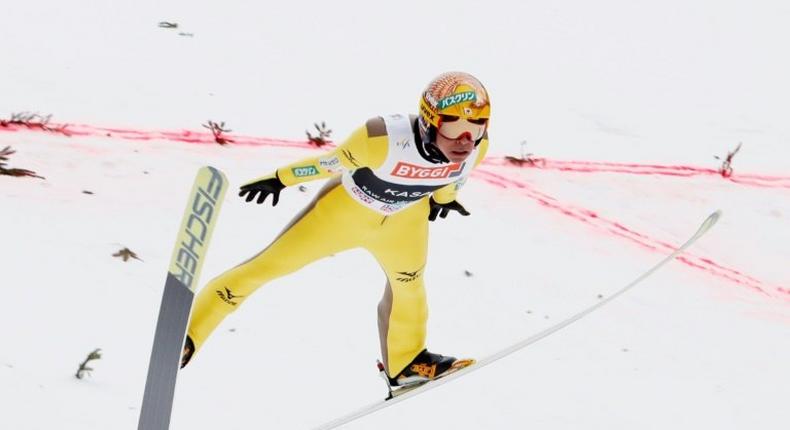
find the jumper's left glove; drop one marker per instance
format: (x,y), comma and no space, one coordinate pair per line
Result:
(442,209)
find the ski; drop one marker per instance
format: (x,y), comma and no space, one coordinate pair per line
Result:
(192,241)
(709,222)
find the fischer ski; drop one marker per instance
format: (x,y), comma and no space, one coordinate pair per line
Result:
(192,242)
(393,398)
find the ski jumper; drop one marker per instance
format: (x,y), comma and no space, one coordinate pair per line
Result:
(377,199)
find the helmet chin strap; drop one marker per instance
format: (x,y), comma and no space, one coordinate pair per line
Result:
(432,153)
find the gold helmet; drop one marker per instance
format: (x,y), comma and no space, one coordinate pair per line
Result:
(456,94)
(458,101)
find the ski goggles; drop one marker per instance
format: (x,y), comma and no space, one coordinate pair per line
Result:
(454,127)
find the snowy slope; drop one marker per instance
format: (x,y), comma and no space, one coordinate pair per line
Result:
(658,90)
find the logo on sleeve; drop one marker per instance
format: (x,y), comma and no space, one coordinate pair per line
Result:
(300,172)
(413,171)
(330,164)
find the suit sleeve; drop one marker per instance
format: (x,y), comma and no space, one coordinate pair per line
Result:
(359,150)
(449,192)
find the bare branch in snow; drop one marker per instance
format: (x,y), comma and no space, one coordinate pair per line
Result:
(726,166)
(323,135)
(4,170)
(126,254)
(34,120)
(217,130)
(526,158)
(94,355)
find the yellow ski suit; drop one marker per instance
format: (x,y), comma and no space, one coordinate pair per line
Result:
(377,199)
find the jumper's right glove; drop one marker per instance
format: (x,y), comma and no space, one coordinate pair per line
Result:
(442,209)
(262,189)
(189,349)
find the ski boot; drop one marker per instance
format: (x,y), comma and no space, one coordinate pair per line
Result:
(426,367)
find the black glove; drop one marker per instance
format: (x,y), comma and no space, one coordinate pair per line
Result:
(442,209)
(264,187)
(189,349)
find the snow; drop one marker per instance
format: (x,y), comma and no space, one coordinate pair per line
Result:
(701,344)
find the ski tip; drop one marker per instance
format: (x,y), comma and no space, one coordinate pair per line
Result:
(214,170)
(214,173)
(714,217)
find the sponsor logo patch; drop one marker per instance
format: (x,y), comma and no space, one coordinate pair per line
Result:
(390,208)
(227,296)
(408,276)
(361,195)
(330,164)
(413,171)
(427,112)
(454,99)
(408,194)
(301,172)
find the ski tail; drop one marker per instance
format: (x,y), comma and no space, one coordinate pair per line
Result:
(197,226)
